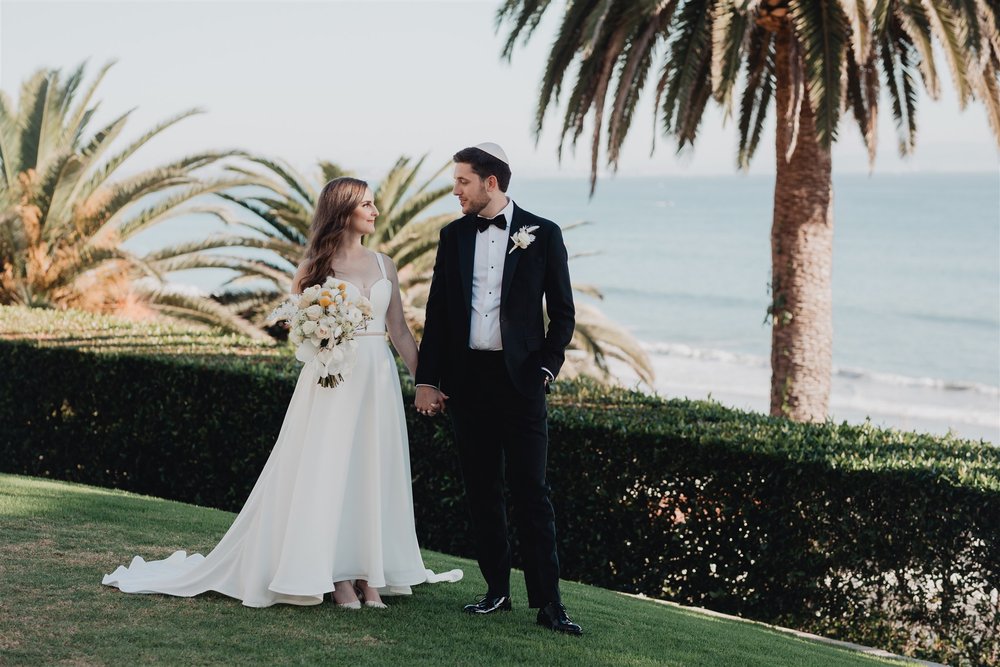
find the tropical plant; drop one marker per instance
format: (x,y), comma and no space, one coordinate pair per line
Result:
(281,207)
(274,218)
(814,59)
(63,219)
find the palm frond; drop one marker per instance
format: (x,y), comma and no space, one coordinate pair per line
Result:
(822,28)
(190,307)
(77,125)
(757,94)
(31,117)
(685,73)
(288,229)
(291,178)
(167,207)
(859,17)
(256,267)
(862,97)
(589,290)
(331,171)
(606,339)
(947,27)
(895,48)
(632,79)
(284,249)
(730,36)
(913,20)
(102,174)
(525,16)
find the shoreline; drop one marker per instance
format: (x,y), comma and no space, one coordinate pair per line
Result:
(919,407)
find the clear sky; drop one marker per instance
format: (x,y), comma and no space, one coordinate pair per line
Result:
(360,83)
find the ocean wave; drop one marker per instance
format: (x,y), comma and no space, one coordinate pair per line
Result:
(705,354)
(903,411)
(921,382)
(858,374)
(716,299)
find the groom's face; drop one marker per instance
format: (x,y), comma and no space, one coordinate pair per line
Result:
(470,189)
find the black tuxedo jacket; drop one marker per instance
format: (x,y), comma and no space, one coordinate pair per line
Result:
(540,270)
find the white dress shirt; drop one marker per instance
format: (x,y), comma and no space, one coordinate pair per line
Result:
(487,275)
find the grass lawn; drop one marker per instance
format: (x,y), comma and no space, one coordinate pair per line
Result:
(57,540)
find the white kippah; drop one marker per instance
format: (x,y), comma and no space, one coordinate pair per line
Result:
(494,150)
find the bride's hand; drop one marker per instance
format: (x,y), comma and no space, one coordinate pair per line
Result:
(429,401)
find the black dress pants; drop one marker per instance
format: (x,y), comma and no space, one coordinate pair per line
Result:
(496,425)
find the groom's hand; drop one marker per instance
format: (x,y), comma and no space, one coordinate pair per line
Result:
(429,400)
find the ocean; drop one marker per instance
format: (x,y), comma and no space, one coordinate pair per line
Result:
(684,265)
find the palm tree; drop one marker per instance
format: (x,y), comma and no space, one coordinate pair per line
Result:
(275,217)
(63,219)
(281,209)
(814,59)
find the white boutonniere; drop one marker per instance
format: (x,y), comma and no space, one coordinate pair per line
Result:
(522,238)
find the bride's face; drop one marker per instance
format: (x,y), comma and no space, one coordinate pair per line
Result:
(363,218)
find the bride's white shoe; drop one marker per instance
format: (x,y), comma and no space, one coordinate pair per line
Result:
(353,604)
(371,604)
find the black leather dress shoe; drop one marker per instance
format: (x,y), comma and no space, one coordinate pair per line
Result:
(489,604)
(554,617)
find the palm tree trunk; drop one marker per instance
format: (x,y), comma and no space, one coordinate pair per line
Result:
(801,255)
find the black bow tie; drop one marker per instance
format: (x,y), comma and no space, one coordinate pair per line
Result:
(483,223)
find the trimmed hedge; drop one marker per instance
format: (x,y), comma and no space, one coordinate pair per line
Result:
(875,536)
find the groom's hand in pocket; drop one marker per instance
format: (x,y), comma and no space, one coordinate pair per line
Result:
(546,380)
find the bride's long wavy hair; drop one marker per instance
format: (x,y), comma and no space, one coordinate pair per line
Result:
(334,207)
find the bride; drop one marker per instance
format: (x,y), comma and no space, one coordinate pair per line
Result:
(332,510)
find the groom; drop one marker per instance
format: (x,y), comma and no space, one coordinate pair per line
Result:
(486,351)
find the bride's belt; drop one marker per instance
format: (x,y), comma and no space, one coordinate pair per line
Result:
(371,333)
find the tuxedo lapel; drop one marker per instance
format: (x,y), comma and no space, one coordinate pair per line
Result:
(466,258)
(510,263)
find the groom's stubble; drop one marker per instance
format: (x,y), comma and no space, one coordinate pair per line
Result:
(476,202)
(471,190)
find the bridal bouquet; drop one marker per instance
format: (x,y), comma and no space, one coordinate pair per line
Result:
(322,323)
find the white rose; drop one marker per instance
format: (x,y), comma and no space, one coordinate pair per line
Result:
(314,312)
(308,327)
(354,316)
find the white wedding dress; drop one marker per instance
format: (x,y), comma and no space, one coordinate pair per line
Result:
(333,501)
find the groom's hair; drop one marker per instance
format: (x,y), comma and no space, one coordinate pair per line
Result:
(484,165)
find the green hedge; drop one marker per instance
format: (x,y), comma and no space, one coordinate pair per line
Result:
(880,537)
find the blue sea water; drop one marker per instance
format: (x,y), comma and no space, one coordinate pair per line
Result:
(916,285)
(684,265)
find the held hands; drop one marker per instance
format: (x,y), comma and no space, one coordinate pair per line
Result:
(430,401)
